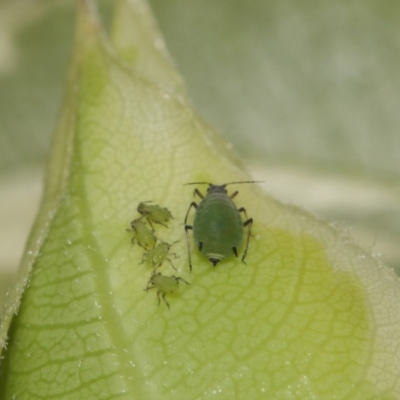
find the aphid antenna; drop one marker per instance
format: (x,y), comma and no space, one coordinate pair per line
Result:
(224,185)
(197,183)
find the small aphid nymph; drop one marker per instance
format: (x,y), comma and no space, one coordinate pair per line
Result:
(164,284)
(155,257)
(217,225)
(143,235)
(154,214)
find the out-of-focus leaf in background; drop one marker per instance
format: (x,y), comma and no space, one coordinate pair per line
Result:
(308,92)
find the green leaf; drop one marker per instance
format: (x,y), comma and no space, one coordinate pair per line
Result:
(311,316)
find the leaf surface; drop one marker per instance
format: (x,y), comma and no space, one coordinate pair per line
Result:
(311,316)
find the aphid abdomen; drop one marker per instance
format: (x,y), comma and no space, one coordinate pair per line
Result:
(144,237)
(217,226)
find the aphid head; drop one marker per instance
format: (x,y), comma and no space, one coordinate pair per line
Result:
(216,188)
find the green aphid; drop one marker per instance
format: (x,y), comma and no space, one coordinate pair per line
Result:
(164,284)
(154,214)
(155,257)
(217,225)
(143,235)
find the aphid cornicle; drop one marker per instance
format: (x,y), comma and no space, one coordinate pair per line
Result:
(217,225)
(154,213)
(164,284)
(143,235)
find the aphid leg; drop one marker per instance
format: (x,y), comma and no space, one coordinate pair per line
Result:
(249,224)
(155,267)
(197,191)
(234,194)
(200,245)
(156,222)
(176,241)
(178,278)
(152,227)
(187,227)
(243,210)
(163,296)
(192,204)
(144,258)
(172,265)
(140,244)
(176,256)
(132,230)
(158,296)
(149,287)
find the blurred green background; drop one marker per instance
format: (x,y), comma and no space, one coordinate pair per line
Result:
(307,92)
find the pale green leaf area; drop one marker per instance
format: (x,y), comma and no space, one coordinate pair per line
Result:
(310,316)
